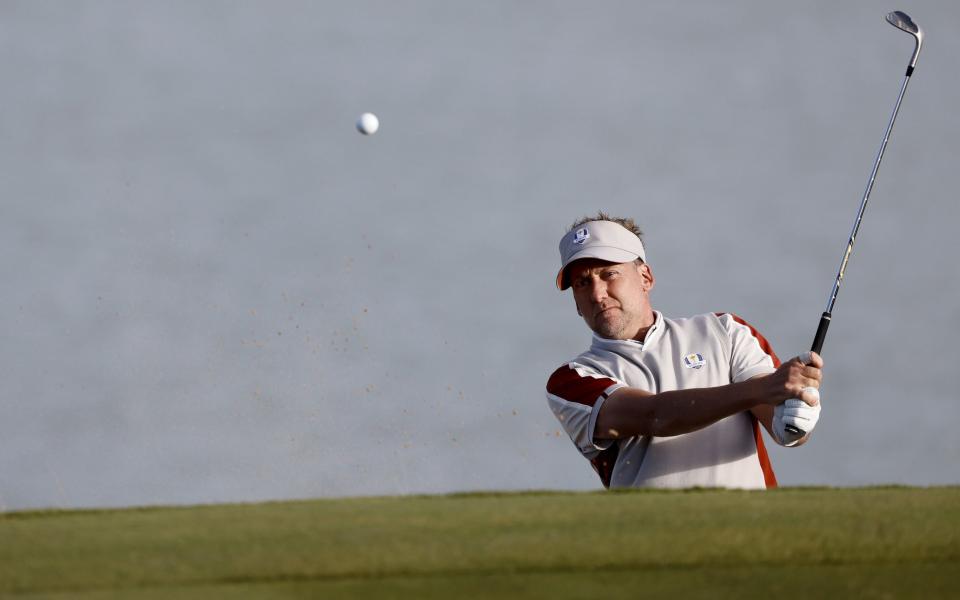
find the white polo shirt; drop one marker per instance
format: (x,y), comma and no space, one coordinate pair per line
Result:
(704,351)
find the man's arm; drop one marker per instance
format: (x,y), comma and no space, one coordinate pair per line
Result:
(630,412)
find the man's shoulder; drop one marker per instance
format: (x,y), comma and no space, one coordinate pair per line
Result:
(710,316)
(723,327)
(592,362)
(734,322)
(711,322)
(581,381)
(584,360)
(727,319)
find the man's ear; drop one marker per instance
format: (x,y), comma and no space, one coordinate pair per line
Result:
(646,276)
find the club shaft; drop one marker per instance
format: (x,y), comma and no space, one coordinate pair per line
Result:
(827,315)
(828,312)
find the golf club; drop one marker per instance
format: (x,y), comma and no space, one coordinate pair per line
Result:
(903,22)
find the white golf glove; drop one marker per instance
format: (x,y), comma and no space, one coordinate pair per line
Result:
(797,413)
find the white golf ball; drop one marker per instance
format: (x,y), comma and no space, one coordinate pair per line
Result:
(368,124)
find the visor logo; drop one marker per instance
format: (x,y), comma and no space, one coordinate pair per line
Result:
(581,236)
(694,361)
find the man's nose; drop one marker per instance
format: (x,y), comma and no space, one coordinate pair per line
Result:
(598,292)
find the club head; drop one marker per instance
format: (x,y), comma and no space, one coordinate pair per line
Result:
(903,22)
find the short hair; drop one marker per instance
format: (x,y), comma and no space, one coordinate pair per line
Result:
(627,223)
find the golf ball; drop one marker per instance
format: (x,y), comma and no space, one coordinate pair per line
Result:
(368,124)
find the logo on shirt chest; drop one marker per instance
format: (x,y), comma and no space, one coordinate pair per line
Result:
(694,361)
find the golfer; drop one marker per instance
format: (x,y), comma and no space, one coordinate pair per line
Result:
(669,403)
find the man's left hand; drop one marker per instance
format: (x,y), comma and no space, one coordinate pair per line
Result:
(798,413)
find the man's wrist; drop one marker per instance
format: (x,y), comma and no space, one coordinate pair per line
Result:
(758,392)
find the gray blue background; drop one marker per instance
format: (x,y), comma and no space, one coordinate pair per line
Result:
(215,289)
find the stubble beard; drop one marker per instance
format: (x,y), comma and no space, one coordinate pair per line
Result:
(611,327)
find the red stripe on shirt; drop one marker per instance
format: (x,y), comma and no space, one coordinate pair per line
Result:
(769,478)
(604,462)
(566,383)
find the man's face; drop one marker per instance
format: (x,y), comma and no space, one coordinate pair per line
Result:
(612,298)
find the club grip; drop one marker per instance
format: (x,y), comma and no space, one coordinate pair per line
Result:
(821,333)
(817,347)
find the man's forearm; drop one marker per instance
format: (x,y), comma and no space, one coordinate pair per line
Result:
(630,412)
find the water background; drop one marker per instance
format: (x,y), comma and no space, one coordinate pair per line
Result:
(214,289)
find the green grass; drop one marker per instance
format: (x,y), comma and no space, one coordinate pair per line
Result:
(868,543)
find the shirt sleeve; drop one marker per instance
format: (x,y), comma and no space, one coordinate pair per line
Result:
(575,393)
(751,354)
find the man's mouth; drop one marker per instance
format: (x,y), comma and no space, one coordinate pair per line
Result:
(603,310)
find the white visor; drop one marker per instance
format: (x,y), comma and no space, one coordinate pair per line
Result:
(603,240)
